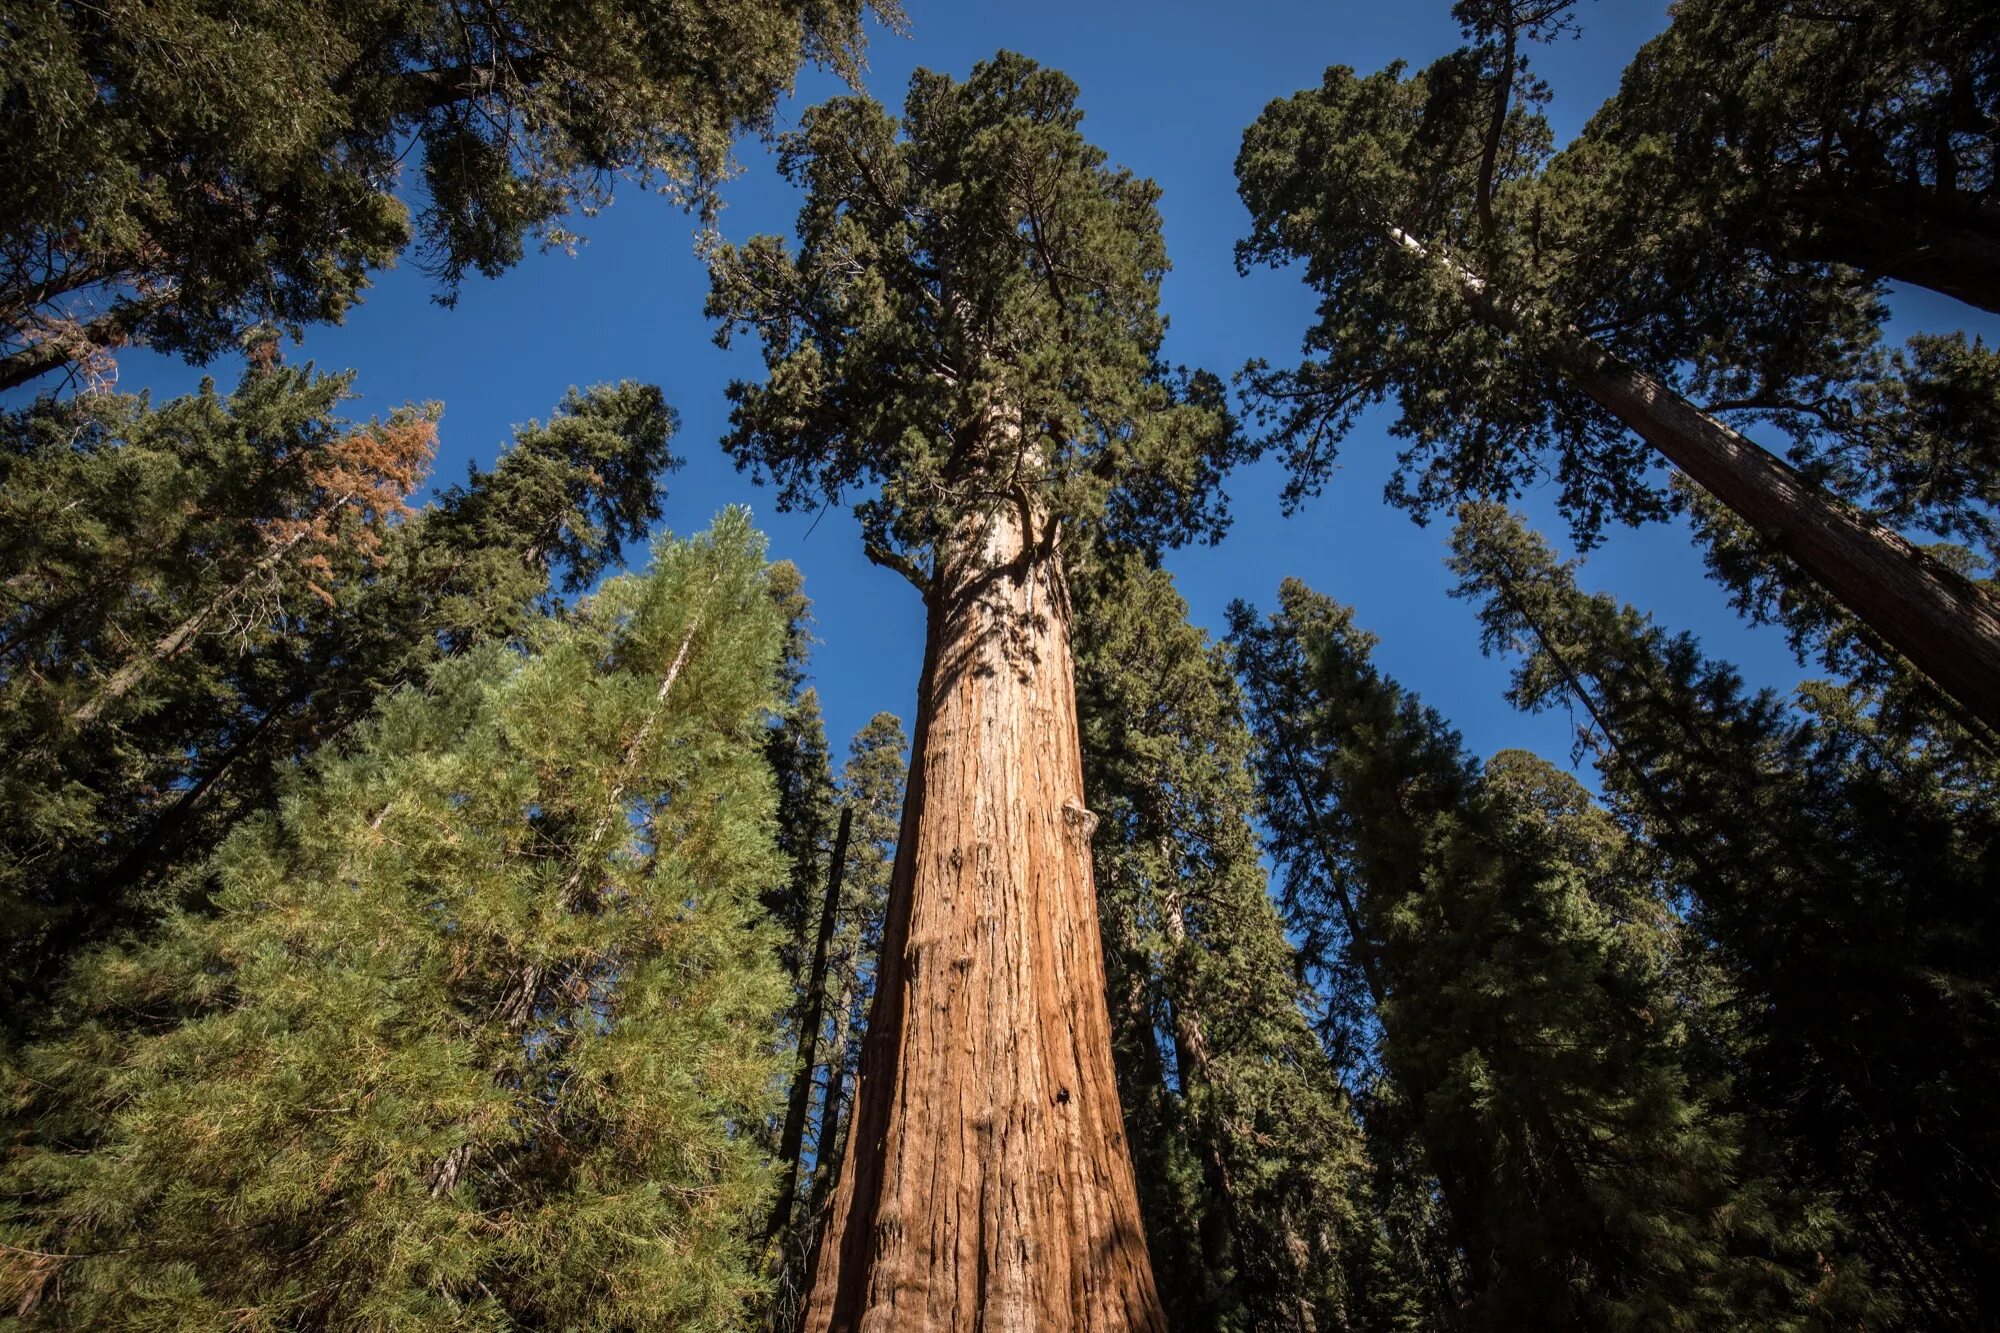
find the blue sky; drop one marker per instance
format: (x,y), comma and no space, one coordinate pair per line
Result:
(1167,89)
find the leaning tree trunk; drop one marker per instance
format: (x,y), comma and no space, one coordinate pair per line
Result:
(1946,626)
(1947,243)
(987,1183)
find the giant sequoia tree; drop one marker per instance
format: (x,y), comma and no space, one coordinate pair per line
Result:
(179,172)
(1859,134)
(966,341)
(1525,329)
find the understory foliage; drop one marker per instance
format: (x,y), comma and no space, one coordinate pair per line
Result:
(196,593)
(473,1029)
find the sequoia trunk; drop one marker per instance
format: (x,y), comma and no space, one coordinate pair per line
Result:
(986,1182)
(1946,626)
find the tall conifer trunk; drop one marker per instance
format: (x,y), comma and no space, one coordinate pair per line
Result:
(987,1183)
(1947,626)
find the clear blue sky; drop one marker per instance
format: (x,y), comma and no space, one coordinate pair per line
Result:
(1167,89)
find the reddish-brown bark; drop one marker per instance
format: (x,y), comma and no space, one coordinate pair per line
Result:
(987,1183)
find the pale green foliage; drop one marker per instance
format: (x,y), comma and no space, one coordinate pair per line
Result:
(476,1029)
(123,522)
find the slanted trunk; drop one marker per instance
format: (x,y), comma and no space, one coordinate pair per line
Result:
(987,1183)
(792,1142)
(176,640)
(1946,626)
(1906,234)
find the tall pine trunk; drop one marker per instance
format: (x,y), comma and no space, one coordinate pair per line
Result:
(1945,625)
(987,1183)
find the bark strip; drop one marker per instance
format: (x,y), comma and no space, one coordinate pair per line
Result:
(987,1184)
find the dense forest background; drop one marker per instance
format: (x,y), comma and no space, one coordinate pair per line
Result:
(1139,681)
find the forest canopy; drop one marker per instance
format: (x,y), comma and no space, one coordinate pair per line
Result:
(1454,789)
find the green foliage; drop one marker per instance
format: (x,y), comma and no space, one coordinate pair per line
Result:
(970,321)
(1840,866)
(1253,1180)
(195,168)
(197,592)
(1857,135)
(475,1027)
(871,787)
(1532,1044)
(1391,189)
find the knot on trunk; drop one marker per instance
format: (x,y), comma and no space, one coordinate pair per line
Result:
(1080,818)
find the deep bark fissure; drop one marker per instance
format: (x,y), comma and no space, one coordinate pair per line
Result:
(986,1182)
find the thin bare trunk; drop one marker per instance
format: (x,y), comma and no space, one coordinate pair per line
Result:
(987,1183)
(792,1141)
(1946,626)
(826,1144)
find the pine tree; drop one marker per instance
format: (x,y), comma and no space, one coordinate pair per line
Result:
(176,202)
(1841,869)
(1527,327)
(969,334)
(1254,1183)
(197,593)
(1528,1030)
(474,1029)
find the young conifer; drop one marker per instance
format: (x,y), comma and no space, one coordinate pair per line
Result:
(199,592)
(1840,868)
(1255,1185)
(477,1028)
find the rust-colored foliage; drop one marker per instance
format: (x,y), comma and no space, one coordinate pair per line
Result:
(367,475)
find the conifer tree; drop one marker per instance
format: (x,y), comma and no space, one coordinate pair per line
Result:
(182,172)
(1841,868)
(797,751)
(198,592)
(969,335)
(871,798)
(833,996)
(1271,1229)
(1528,1030)
(475,1027)
(1527,327)
(1858,136)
